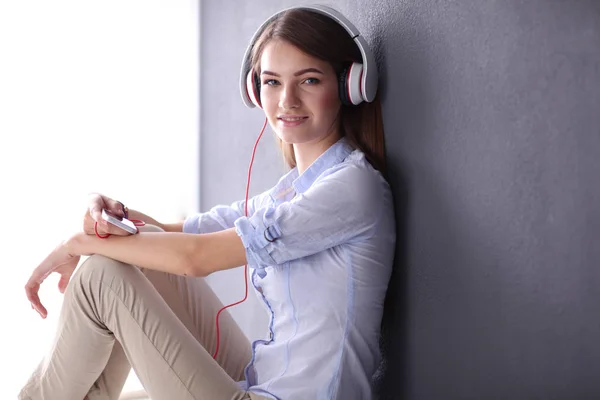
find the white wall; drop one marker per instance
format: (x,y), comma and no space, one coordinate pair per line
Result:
(94,96)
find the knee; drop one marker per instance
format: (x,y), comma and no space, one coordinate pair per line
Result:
(98,270)
(100,284)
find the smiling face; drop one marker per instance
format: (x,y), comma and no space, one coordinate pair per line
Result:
(299,95)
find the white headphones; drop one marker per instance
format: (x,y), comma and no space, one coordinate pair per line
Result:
(357,83)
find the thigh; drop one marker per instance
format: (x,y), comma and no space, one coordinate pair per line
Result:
(170,361)
(196,305)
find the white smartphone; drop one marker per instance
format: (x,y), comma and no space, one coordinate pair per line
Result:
(120,222)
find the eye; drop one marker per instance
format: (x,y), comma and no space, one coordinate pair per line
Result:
(270,82)
(312,81)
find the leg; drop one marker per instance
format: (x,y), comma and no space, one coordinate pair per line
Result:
(112,379)
(108,300)
(196,306)
(81,349)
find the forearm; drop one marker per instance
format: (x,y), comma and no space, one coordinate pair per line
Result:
(175,253)
(169,227)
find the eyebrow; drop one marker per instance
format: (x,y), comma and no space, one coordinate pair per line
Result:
(301,72)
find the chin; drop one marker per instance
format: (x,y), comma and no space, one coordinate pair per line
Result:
(291,137)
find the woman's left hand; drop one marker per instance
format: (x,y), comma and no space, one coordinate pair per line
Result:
(60,261)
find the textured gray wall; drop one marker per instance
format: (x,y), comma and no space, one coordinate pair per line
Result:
(492,118)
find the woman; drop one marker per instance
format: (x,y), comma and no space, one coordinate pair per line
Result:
(319,245)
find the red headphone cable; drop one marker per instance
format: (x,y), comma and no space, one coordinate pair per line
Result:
(142,223)
(136,222)
(245,266)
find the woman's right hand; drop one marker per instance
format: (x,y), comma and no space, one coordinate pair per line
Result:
(94,214)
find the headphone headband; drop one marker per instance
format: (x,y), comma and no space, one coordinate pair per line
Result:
(368,86)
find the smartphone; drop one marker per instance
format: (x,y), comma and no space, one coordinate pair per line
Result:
(120,222)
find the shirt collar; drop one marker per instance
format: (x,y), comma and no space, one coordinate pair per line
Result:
(330,157)
(291,181)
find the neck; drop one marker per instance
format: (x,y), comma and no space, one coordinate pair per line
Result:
(307,153)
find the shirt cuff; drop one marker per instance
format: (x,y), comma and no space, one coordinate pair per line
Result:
(190,224)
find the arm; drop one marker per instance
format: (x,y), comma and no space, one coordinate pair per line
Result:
(98,201)
(176,253)
(344,206)
(209,242)
(171,251)
(222,217)
(170,227)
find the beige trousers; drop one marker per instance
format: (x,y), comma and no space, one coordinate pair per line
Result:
(116,316)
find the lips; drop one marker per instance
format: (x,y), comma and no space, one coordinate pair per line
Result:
(291,118)
(291,121)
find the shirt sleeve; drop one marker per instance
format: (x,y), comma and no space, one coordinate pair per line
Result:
(221,217)
(338,208)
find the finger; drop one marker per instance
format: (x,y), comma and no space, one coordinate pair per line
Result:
(116,231)
(88,223)
(43,315)
(114,206)
(66,272)
(105,228)
(31,290)
(95,211)
(98,202)
(41,310)
(64,282)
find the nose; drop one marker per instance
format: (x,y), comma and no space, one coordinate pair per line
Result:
(288,98)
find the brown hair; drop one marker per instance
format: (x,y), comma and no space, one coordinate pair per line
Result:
(321,37)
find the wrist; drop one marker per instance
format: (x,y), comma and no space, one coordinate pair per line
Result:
(76,245)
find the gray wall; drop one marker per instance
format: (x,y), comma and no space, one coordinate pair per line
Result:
(492,118)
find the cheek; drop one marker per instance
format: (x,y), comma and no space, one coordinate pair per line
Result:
(268,105)
(329,101)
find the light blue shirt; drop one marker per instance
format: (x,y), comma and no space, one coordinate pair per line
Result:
(320,249)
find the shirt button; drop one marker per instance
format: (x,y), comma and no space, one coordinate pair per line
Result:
(267,234)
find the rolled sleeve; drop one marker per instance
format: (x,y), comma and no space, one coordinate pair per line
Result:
(221,217)
(341,207)
(257,233)
(191,223)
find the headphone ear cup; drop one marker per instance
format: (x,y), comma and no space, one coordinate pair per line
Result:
(354,83)
(257,86)
(253,87)
(343,88)
(350,85)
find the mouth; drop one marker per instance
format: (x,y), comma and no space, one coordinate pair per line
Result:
(291,120)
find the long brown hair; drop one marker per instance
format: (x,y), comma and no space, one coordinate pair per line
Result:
(321,37)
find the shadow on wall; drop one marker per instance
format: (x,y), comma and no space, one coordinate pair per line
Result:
(404,95)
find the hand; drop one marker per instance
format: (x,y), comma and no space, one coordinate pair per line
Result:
(94,214)
(60,261)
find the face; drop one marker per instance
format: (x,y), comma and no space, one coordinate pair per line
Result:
(299,94)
